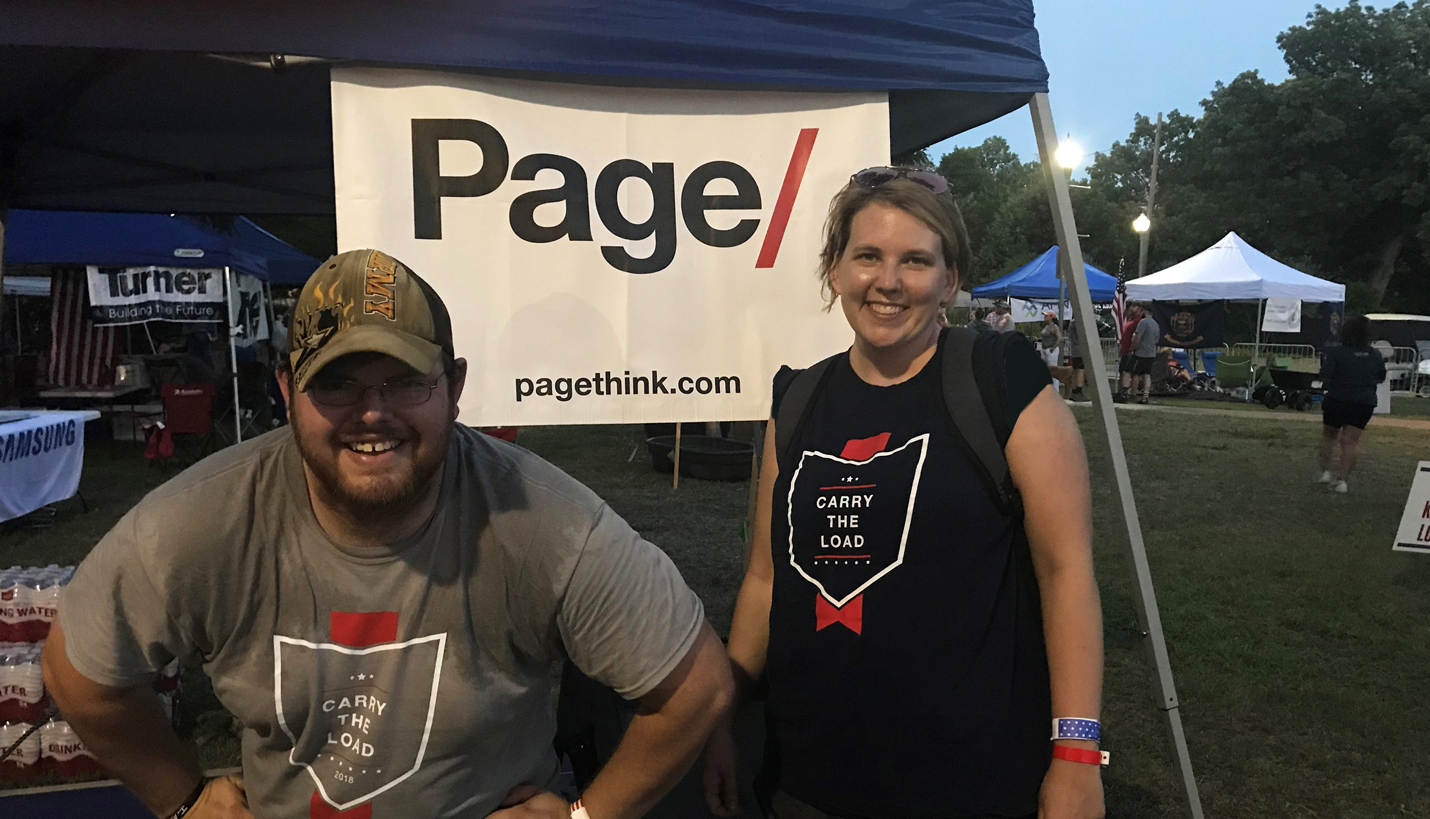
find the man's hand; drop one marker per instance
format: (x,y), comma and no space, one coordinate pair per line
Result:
(722,790)
(223,798)
(1071,790)
(530,802)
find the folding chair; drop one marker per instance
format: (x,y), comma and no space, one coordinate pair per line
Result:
(188,410)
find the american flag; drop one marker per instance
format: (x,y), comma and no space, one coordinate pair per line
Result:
(1119,304)
(81,353)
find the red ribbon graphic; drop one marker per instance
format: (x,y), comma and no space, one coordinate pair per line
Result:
(851,616)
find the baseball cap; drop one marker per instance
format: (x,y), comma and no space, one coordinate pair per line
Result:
(365,301)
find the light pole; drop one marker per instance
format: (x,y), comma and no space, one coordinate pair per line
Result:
(1142,224)
(1069,156)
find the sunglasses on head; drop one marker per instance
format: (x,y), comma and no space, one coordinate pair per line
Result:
(874,177)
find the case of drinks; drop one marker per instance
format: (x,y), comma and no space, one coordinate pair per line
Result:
(30,601)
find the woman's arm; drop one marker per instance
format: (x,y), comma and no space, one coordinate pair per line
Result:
(750,629)
(1049,467)
(749,640)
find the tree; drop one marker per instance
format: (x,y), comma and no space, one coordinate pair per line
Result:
(1331,166)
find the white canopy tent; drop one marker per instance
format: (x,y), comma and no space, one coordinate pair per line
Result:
(1234,270)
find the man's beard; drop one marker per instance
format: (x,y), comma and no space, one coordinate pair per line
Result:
(381,500)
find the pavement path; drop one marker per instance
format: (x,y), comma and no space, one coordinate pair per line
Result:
(1289,415)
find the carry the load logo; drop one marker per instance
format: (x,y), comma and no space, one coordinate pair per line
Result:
(849,520)
(359,718)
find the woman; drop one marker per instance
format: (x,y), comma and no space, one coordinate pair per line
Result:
(1049,339)
(1349,374)
(929,692)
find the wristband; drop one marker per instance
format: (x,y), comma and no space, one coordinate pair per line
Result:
(1081,755)
(578,811)
(1077,728)
(192,800)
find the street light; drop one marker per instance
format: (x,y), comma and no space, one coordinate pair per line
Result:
(1141,224)
(1068,154)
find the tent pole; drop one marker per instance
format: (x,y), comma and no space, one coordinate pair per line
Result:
(1260,315)
(1149,618)
(3,214)
(232,355)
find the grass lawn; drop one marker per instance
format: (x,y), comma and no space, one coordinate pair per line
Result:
(1300,642)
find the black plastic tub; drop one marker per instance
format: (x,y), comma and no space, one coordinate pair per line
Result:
(703,457)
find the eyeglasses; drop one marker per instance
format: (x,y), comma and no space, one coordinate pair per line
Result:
(404,392)
(874,177)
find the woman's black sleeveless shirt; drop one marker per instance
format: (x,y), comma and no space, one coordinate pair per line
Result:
(906,667)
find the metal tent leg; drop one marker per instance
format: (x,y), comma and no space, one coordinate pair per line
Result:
(1148,616)
(233,355)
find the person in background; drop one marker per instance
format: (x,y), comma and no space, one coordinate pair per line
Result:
(1124,351)
(1349,374)
(1050,339)
(1002,320)
(1079,372)
(1144,354)
(979,322)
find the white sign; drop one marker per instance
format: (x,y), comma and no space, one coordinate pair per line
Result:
(1282,316)
(607,254)
(129,295)
(250,316)
(1414,534)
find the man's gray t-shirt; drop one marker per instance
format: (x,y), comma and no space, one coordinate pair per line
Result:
(418,678)
(1146,333)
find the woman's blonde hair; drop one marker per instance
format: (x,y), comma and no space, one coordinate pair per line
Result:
(937,211)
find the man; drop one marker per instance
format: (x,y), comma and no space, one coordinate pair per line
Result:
(979,323)
(1143,354)
(1002,319)
(383,598)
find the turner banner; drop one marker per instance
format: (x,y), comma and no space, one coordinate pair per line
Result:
(609,255)
(129,295)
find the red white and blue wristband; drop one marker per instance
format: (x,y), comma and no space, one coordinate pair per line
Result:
(578,811)
(1077,728)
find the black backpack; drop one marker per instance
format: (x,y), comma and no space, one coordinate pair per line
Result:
(972,379)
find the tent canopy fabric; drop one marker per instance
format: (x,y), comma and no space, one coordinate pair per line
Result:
(1038,280)
(188,106)
(142,239)
(1233,269)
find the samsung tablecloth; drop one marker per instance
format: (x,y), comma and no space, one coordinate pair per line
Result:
(41,455)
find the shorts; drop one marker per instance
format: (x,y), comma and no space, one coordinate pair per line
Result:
(1124,364)
(1142,365)
(1075,361)
(1345,414)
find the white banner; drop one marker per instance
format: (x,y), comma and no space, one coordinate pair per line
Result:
(250,316)
(608,255)
(129,295)
(1282,316)
(40,461)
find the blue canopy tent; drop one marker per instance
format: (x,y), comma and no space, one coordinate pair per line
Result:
(123,240)
(205,107)
(1038,280)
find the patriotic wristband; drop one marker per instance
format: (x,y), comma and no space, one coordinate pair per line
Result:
(1077,728)
(1081,755)
(578,811)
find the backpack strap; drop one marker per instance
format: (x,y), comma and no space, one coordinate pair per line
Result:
(797,405)
(976,405)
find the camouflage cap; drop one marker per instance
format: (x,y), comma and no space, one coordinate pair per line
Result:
(365,301)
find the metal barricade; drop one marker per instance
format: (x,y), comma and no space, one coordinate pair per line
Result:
(1294,352)
(1402,369)
(1110,355)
